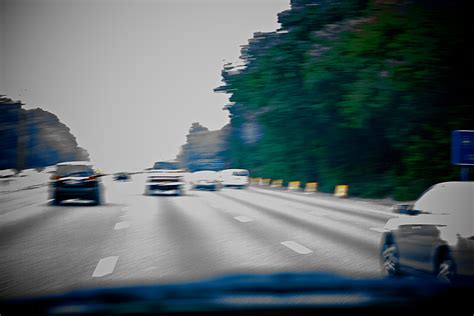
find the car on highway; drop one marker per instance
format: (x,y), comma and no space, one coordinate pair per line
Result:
(161,183)
(165,178)
(205,180)
(121,176)
(433,235)
(76,180)
(237,178)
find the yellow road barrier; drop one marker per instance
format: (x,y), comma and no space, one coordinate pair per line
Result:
(264,181)
(277,183)
(255,180)
(341,190)
(294,185)
(311,187)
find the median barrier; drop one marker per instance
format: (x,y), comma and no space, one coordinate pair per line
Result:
(294,185)
(341,190)
(254,180)
(277,183)
(264,181)
(311,187)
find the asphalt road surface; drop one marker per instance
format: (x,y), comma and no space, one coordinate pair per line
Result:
(137,239)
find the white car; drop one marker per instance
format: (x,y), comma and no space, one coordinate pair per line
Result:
(436,236)
(162,182)
(205,180)
(238,178)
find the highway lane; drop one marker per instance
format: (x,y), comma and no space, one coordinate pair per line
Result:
(135,239)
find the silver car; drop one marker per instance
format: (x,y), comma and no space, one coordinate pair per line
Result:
(435,236)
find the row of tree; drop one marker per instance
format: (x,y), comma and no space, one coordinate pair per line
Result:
(34,138)
(361,92)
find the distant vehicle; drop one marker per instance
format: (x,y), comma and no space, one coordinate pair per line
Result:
(7,173)
(166,177)
(76,180)
(238,178)
(206,180)
(121,176)
(165,183)
(28,172)
(166,166)
(436,236)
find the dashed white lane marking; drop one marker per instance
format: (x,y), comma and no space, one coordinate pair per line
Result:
(122,225)
(105,266)
(379,229)
(243,219)
(296,247)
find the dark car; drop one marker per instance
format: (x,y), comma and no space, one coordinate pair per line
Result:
(75,180)
(121,176)
(435,236)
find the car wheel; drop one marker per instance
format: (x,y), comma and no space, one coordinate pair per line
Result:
(445,268)
(56,201)
(390,260)
(97,199)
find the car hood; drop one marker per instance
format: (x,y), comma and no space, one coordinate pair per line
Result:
(238,292)
(423,219)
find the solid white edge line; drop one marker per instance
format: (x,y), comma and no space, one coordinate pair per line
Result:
(324,203)
(296,247)
(105,266)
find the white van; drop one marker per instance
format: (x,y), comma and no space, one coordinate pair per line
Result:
(238,178)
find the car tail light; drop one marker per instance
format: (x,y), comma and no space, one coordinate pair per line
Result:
(55,178)
(91,178)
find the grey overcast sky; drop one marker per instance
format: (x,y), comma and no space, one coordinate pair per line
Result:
(128,77)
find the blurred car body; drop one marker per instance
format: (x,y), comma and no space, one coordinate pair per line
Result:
(121,176)
(165,178)
(165,183)
(167,166)
(205,180)
(238,178)
(75,180)
(436,236)
(7,173)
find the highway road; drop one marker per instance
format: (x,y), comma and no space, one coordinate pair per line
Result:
(137,239)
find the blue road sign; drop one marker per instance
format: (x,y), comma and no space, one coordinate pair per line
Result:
(462,148)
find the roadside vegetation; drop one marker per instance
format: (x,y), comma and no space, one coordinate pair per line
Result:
(364,93)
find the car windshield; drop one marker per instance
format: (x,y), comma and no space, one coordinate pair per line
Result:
(74,170)
(166,166)
(241,173)
(201,139)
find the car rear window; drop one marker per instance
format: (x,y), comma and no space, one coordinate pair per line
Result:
(74,170)
(241,173)
(165,165)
